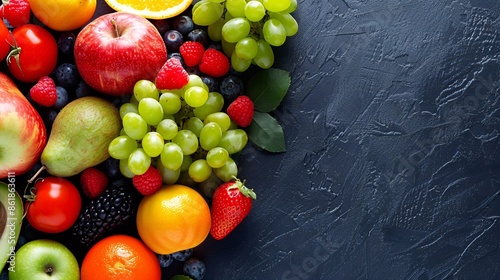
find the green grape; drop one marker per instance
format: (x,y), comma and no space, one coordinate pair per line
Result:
(228,171)
(292,7)
(240,64)
(209,186)
(215,30)
(128,108)
(254,11)
(150,110)
(197,4)
(233,125)
(133,100)
(234,140)
(217,157)
(214,103)
(194,124)
(195,80)
(122,132)
(289,23)
(210,136)
(121,147)
(186,162)
(187,140)
(236,7)
(124,170)
(168,176)
(276,5)
(274,32)
(217,1)
(139,161)
(167,128)
(227,48)
(246,48)
(170,103)
(145,88)
(152,143)
(135,126)
(185,180)
(195,96)
(171,156)
(207,13)
(265,55)
(235,29)
(199,170)
(221,118)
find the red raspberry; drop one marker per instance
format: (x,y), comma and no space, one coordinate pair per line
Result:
(17,12)
(241,110)
(149,182)
(93,182)
(192,52)
(214,63)
(172,75)
(44,92)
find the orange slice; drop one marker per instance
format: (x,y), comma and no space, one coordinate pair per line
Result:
(151,9)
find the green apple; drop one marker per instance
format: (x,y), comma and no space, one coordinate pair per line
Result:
(44,259)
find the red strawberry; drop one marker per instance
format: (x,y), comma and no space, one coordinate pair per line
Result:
(149,182)
(214,63)
(93,182)
(17,12)
(231,203)
(192,52)
(44,92)
(172,75)
(241,110)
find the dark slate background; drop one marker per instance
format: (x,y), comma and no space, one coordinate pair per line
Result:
(392,129)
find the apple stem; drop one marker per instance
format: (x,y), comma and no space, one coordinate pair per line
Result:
(113,22)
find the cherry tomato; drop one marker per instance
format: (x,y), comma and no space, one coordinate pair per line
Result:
(56,206)
(35,55)
(5,40)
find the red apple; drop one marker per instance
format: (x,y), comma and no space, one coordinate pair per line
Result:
(116,50)
(22,131)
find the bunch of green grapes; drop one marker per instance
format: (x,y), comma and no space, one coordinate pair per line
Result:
(248,29)
(183,133)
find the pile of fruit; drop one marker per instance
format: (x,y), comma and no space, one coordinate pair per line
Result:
(120,135)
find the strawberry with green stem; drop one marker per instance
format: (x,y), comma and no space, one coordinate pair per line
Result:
(231,203)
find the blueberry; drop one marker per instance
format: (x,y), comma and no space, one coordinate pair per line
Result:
(194,268)
(82,89)
(161,24)
(66,42)
(112,167)
(66,75)
(231,87)
(165,260)
(200,36)
(193,70)
(50,117)
(212,83)
(182,255)
(183,24)
(62,97)
(173,40)
(215,45)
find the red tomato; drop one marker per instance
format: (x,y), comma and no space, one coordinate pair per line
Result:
(36,54)
(56,206)
(5,40)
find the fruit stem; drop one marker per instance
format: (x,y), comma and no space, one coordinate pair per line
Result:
(31,196)
(113,22)
(238,184)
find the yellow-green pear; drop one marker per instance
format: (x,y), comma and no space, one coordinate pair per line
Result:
(80,136)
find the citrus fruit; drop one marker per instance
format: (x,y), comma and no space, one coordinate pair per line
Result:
(63,15)
(120,257)
(152,9)
(173,219)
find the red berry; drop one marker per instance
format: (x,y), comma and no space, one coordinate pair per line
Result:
(17,12)
(172,75)
(149,182)
(214,63)
(44,92)
(241,110)
(192,52)
(93,182)
(231,203)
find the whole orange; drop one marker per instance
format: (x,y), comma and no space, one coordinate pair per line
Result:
(63,15)
(120,257)
(173,219)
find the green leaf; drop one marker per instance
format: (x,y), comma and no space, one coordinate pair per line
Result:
(266,133)
(267,88)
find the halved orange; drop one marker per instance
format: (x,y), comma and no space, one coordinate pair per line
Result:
(151,9)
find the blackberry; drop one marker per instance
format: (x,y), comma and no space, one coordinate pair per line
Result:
(231,87)
(112,209)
